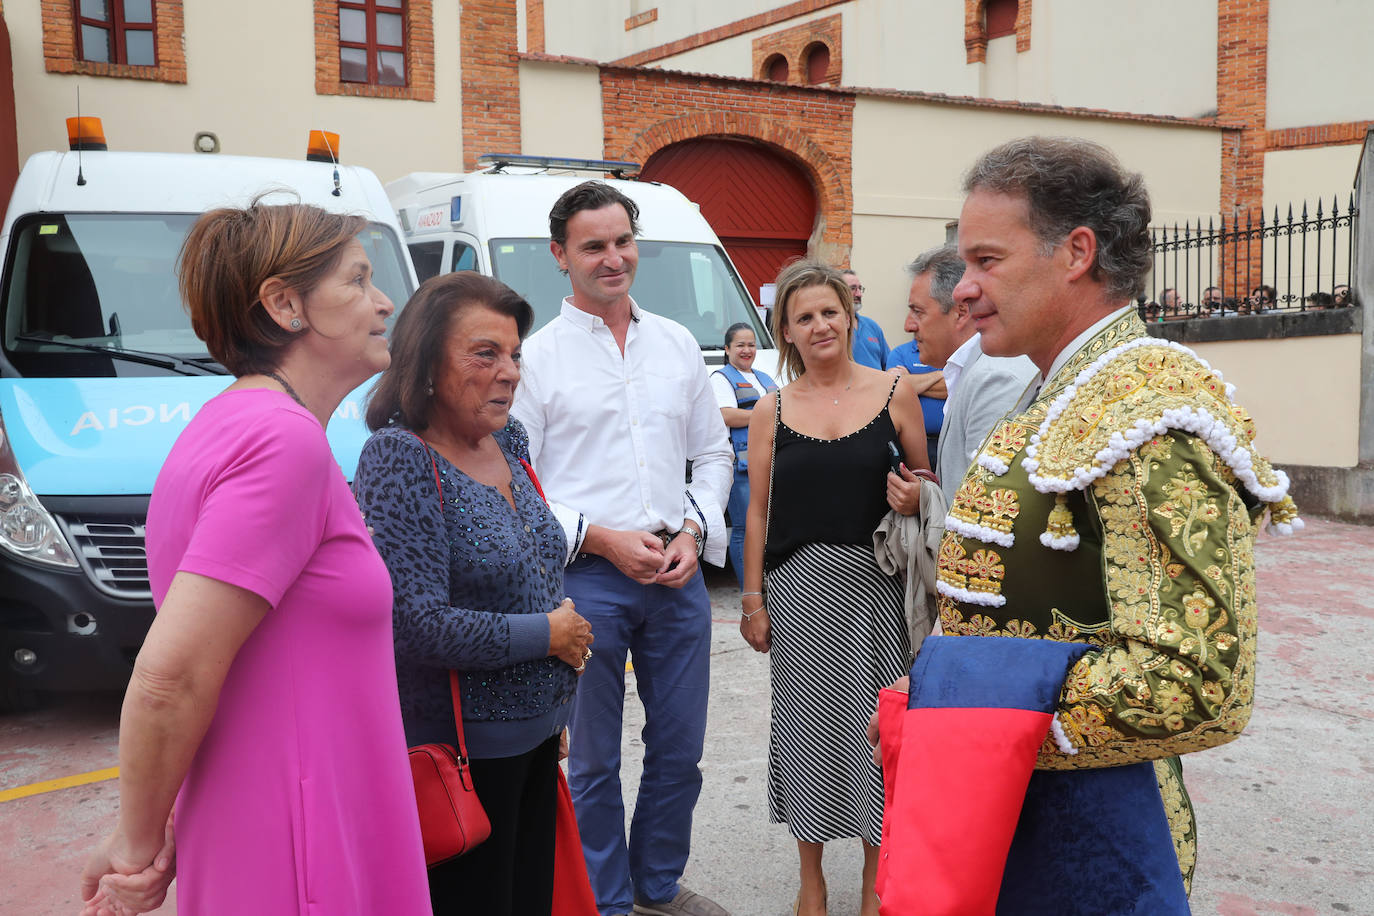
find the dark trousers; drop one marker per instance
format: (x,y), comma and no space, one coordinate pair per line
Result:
(668,632)
(511,874)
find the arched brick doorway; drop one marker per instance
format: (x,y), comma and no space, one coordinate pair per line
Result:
(760,203)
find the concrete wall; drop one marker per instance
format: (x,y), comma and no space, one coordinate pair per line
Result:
(731,57)
(1151,58)
(596,28)
(252,85)
(909,160)
(560,110)
(735,56)
(1303,417)
(1157,58)
(1315,54)
(907,44)
(1307,176)
(1298,175)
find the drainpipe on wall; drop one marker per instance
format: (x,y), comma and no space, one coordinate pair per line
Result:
(1362,279)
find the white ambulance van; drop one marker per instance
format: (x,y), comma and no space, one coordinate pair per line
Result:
(100,371)
(496,221)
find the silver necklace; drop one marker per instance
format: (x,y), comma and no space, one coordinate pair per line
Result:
(286,386)
(836,399)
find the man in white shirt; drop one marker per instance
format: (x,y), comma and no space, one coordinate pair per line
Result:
(981,389)
(616,403)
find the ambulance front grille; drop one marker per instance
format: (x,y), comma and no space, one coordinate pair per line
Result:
(111,551)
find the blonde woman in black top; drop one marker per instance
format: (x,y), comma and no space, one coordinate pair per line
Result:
(832,622)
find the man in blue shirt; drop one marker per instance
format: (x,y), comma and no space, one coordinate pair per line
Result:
(870,347)
(929,382)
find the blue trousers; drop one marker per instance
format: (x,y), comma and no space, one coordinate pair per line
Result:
(737,508)
(667,632)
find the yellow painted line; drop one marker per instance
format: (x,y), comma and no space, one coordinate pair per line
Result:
(52,785)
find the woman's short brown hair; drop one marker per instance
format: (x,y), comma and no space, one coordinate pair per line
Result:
(228,255)
(402,395)
(797,276)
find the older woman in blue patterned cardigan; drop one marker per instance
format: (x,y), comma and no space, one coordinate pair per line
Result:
(476,561)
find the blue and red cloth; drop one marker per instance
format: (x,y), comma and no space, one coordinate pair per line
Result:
(970,827)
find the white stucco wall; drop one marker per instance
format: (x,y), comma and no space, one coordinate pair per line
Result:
(1315,62)
(1148,58)
(909,160)
(560,110)
(1300,417)
(1294,176)
(595,29)
(253,86)
(1157,58)
(915,45)
(1309,176)
(731,57)
(735,56)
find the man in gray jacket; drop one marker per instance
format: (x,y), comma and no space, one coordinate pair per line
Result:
(981,389)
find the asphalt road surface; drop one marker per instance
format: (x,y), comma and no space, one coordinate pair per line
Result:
(1282,812)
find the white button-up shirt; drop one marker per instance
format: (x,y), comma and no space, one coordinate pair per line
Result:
(611,435)
(954,366)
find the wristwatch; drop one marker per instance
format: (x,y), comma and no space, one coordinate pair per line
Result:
(696,536)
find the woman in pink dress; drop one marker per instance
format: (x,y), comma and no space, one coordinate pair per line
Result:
(264,700)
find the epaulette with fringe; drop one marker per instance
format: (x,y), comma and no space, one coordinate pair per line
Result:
(1127,396)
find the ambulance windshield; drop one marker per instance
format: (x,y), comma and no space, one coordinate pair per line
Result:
(80,284)
(690,283)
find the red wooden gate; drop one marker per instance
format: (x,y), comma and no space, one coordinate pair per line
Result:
(760,204)
(9,128)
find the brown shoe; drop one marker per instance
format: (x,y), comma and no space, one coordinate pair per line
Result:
(686,903)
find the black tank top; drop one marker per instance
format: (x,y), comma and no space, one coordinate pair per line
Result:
(828,491)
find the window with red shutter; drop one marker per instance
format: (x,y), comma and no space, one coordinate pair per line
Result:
(372,42)
(817,63)
(999,18)
(116,32)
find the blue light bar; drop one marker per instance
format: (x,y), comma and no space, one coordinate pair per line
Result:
(499,161)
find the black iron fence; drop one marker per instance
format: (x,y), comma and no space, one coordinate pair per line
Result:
(1247,265)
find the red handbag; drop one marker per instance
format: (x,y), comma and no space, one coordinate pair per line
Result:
(452,821)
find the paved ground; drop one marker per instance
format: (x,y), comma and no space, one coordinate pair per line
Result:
(1283,818)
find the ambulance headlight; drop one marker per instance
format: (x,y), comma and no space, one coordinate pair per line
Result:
(26,528)
(11,492)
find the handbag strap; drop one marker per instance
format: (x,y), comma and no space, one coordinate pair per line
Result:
(529,471)
(772,460)
(438,487)
(458,714)
(452,675)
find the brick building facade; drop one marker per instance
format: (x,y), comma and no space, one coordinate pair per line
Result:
(650,96)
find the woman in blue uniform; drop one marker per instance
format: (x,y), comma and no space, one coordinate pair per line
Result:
(738,387)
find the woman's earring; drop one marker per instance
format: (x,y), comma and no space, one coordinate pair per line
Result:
(429,389)
(295,324)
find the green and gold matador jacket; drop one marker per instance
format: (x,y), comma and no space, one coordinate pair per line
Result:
(1120,509)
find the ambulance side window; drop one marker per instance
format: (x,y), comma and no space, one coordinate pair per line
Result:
(428,258)
(464,257)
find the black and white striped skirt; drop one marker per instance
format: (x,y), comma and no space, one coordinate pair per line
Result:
(838,636)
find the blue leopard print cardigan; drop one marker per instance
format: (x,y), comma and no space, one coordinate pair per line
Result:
(472,585)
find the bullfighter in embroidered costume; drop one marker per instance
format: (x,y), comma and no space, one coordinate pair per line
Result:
(1105,533)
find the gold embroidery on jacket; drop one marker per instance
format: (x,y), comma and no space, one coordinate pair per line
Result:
(1178,674)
